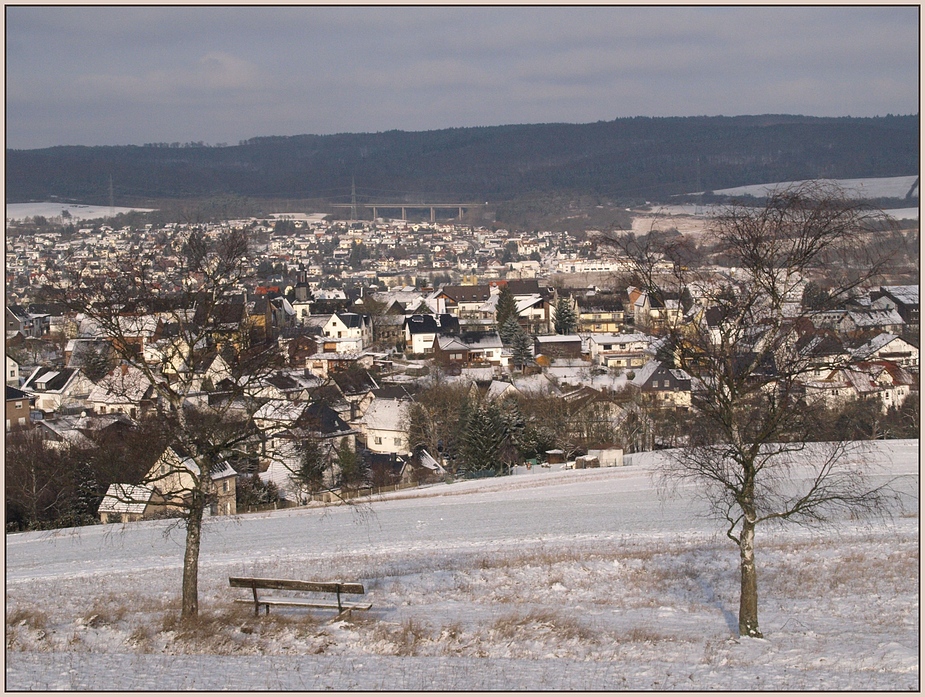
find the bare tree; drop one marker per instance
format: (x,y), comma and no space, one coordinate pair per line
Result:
(168,313)
(750,347)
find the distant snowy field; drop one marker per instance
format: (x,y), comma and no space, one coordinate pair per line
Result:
(78,211)
(555,580)
(875,187)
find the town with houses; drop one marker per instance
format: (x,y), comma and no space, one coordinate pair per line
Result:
(368,314)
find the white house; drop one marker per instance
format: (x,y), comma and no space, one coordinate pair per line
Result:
(888,347)
(12,372)
(385,425)
(54,388)
(619,350)
(349,325)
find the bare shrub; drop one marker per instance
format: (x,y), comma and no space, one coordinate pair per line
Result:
(643,635)
(27,617)
(540,622)
(406,638)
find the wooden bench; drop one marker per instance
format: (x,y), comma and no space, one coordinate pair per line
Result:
(336,587)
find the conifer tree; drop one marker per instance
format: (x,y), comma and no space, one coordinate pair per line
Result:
(565,320)
(507,307)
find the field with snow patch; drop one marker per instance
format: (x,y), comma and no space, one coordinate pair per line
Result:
(558,580)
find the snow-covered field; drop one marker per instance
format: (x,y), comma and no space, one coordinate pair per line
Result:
(557,580)
(78,211)
(871,187)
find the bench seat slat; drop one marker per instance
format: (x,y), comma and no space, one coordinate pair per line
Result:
(294,585)
(298,602)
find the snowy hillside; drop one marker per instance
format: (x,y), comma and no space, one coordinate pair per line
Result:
(557,580)
(872,187)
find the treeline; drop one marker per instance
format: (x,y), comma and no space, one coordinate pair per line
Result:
(625,161)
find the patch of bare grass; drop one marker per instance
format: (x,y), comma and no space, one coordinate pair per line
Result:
(27,617)
(541,624)
(404,639)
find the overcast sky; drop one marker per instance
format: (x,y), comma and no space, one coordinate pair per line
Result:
(132,75)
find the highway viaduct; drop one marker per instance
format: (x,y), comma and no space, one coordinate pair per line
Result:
(404,207)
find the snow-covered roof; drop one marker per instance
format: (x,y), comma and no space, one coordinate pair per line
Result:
(281,410)
(386,414)
(875,318)
(878,342)
(645,373)
(602,339)
(558,339)
(125,498)
(498,389)
(908,295)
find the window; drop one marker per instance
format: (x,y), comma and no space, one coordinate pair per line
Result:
(19,405)
(667,383)
(378,440)
(396,441)
(225,487)
(655,383)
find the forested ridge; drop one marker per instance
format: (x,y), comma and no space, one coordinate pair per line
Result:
(624,160)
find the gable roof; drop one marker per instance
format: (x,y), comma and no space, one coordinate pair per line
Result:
(125,498)
(386,415)
(880,341)
(53,379)
(907,295)
(319,418)
(12,394)
(469,294)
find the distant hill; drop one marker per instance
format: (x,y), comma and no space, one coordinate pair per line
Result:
(623,160)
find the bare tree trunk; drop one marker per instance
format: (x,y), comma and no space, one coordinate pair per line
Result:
(191,557)
(748,596)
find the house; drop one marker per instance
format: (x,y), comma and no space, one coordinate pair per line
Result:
(357,388)
(385,426)
(599,313)
(421,330)
(626,351)
(534,313)
(470,348)
(57,388)
(349,325)
(125,390)
(12,372)
(385,469)
(387,329)
(888,320)
(29,324)
(464,301)
(822,350)
(326,363)
(18,406)
(557,346)
(296,424)
(299,349)
(903,299)
(665,386)
(884,381)
(166,488)
(423,468)
(127,503)
(84,430)
(888,347)
(650,311)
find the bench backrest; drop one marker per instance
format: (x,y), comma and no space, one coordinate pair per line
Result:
(292,585)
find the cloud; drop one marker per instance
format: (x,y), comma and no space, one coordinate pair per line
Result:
(213,74)
(326,69)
